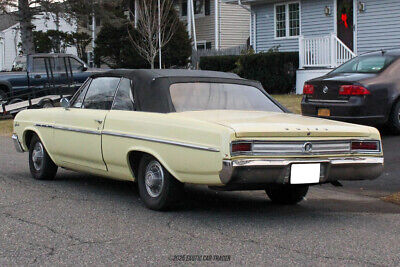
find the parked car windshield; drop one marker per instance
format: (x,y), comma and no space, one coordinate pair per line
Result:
(217,96)
(366,64)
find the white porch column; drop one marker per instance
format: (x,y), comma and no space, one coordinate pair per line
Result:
(216,21)
(193,24)
(189,19)
(333,51)
(301,52)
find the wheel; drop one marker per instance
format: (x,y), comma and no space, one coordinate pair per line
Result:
(394,119)
(40,164)
(286,194)
(3,96)
(158,189)
(47,104)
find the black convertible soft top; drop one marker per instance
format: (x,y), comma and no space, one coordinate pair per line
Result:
(151,87)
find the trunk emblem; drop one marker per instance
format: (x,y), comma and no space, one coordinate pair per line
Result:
(307,147)
(325,89)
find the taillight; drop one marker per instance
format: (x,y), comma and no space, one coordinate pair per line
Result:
(369,146)
(353,90)
(238,148)
(308,89)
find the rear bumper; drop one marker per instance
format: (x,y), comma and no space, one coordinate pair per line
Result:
(355,110)
(277,171)
(17,143)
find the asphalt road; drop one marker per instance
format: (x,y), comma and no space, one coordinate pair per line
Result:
(77,219)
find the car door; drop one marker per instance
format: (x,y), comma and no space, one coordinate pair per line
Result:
(77,130)
(43,78)
(118,120)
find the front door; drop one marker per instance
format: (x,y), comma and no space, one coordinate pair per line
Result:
(345,22)
(77,130)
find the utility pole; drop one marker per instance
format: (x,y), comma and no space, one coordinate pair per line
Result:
(159,34)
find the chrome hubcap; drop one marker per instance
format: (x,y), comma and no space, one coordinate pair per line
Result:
(154,178)
(37,156)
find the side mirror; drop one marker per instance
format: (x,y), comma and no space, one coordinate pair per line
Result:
(64,102)
(85,67)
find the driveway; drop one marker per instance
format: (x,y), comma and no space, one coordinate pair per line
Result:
(78,219)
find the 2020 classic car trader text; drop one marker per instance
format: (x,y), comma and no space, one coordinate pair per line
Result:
(165,128)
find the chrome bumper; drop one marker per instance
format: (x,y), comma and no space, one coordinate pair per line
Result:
(267,171)
(17,144)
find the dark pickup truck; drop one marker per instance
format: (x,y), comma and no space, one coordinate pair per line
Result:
(32,75)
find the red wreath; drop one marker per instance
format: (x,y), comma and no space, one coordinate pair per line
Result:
(344,20)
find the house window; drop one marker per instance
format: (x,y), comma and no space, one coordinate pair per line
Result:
(201,7)
(203,45)
(287,20)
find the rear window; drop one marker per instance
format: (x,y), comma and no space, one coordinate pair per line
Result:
(366,64)
(219,96)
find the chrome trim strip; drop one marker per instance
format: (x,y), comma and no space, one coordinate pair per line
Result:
(327,101)
(77,130)
(332,147)
(285,162)
(194,146)
(69,129)
(44,125)
(162,141)
(17,144)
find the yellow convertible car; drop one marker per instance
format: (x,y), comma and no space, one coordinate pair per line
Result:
(165,128)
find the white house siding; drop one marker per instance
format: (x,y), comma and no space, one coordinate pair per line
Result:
(378,27)
(314,22)
(9,49)
(11,38)
(235,25)
(205,29)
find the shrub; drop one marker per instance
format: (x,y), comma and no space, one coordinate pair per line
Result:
(275,70)
(219,63)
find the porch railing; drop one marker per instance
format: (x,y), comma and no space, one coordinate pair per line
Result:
(325,51)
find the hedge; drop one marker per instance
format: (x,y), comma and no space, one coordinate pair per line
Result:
(275,70)
(219,63)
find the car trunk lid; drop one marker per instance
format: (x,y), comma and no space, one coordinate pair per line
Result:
(272,124)
(327,87)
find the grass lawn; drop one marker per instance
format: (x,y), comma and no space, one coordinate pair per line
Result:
(291,102)
(395,198)
(6,127)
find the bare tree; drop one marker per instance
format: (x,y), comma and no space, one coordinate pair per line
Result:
(26,10)
(147,28)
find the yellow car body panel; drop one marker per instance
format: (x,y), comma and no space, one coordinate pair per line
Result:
(190,145)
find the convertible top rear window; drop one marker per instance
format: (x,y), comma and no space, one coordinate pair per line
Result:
(219,96)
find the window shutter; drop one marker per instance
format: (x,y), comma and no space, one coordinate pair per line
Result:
(207,7)
(184,9)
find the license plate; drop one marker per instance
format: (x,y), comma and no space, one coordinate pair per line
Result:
(324,112)
(305,173)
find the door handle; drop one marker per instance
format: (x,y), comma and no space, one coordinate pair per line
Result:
(99,121)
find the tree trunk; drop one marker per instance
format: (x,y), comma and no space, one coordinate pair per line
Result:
(25,18)
(152,64)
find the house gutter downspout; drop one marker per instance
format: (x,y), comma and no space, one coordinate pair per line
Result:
(252,42)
